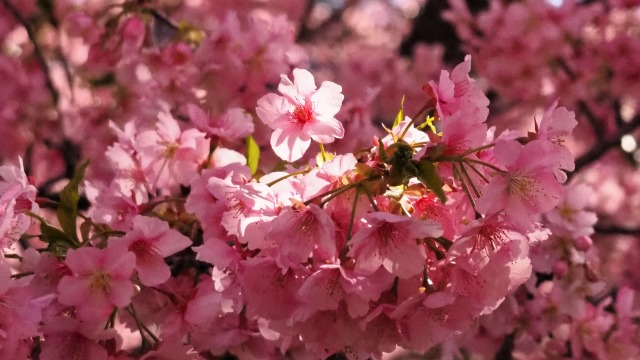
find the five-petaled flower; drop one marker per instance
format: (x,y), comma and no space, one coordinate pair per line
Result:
(302,114)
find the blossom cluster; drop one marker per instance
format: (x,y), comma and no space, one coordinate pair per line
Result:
(406,242)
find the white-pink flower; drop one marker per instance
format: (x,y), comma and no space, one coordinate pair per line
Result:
(391,241)
(151,240)
(99,282)
(527,189)
(17,195)
(302,114)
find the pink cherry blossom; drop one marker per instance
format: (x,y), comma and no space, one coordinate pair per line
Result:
(527,188)
(17,195)
(100,280)
(301,233)
(457,92)
(302,114)
(264,281)
(233,124)
(570,216)
(392,241)
(555,126)
(151,240)
(320,180)
(169,154)
(72,339)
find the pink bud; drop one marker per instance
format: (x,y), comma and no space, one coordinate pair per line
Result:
(133,29)
(583,243)
(560,268)
(177,54)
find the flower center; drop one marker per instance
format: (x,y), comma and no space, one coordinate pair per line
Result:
(307,223)
(522,186)
(170,150)
(302,114)
(143,249)
(388,235)
(489,237)
(100,281)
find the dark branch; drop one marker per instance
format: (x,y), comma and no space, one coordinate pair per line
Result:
(36,48)
(505,351)
(596,124)
(617,230)
(602,147)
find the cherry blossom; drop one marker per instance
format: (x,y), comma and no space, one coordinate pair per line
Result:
(151,241)
(392,241)
(303,113)
(448,206)
(99,280)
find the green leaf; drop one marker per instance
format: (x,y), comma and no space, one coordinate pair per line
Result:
(58,241)
(67,211)
(428,175)
(253,154)
(400,115)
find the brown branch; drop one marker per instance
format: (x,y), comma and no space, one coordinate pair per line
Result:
(616,230)
(602,147)
(36,48)
(596,124)
(306,34)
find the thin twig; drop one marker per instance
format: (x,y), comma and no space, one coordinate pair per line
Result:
(616,230)
(602,147)
(353,213)
(55,96)
(596,124)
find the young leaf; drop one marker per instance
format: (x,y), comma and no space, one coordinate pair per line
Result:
(400,115)
(427,175)
(67,211)
(50,235)
(253,154)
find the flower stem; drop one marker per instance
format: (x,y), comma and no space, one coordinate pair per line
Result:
(475,150)
(131,310)
(462,160)
(466,175)
(301,172)
(324,154)
(353,213)
(464,186)
(371,199)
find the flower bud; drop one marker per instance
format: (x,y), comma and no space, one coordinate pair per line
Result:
(560,268)
(583,243)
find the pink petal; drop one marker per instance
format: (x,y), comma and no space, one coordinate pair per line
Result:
(152,270)
(302,86)
(118,262)
(289,147)
(84,260)
(324,131)
(120,292)
(328,99)
(405,260)
(171,242)
(73,290)
(273,109)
